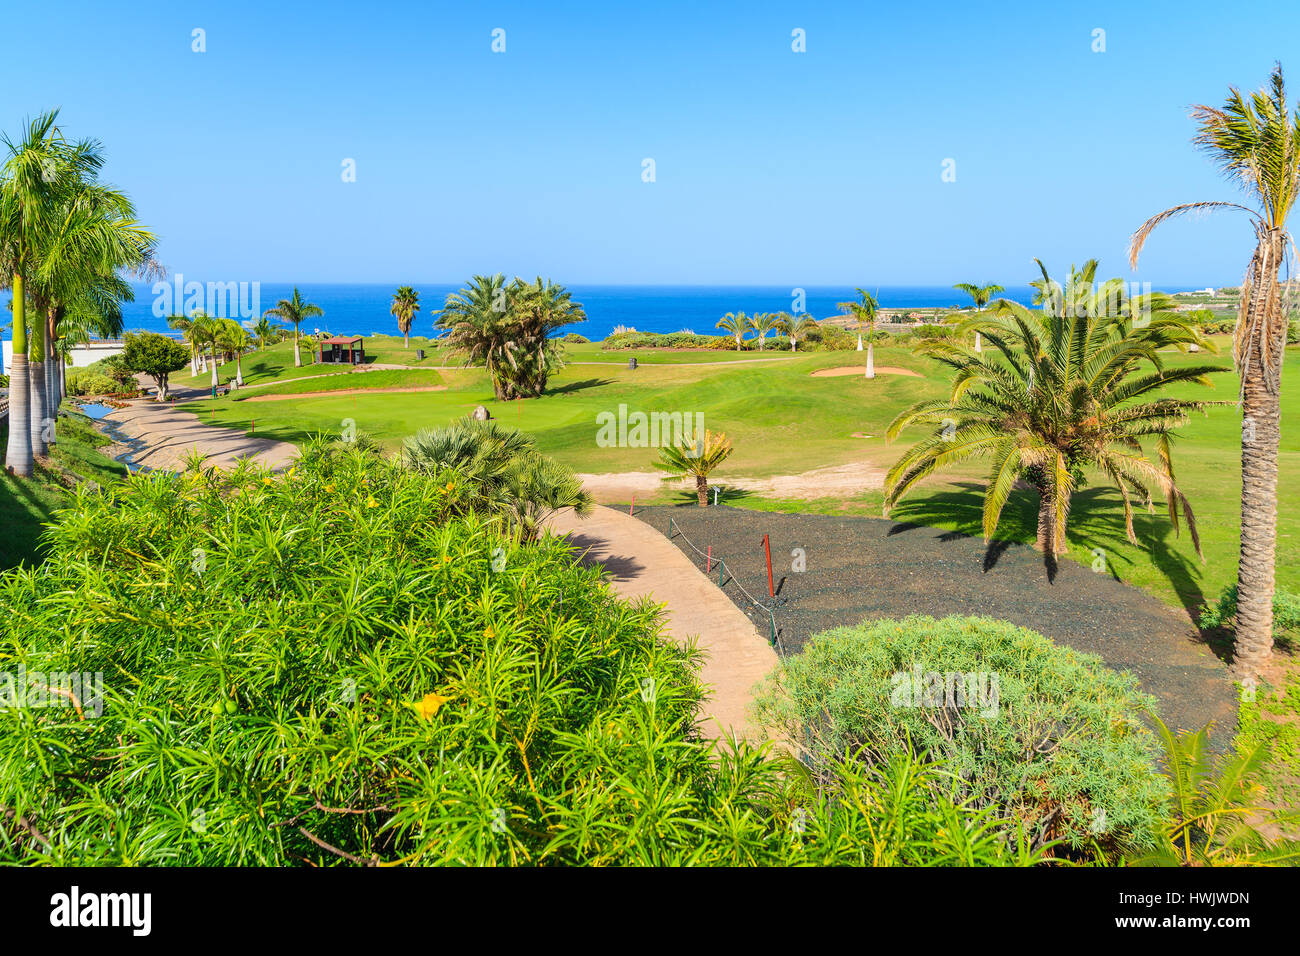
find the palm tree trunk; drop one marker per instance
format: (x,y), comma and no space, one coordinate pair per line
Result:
(215,380)
(702,490)
(1046,525)
(18,453)
(239,371)
(977,343)
(871,360)
(1260,356)
(297,356)
(38,420)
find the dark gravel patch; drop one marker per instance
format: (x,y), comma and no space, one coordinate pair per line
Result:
(865,568)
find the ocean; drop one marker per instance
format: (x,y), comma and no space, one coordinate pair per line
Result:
(362,309)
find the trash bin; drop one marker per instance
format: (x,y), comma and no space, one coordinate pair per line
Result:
(631,363)
(419,354)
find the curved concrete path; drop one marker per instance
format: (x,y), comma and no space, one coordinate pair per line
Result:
(641,561)
(166,435)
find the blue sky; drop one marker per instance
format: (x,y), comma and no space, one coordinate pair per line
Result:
(772,167)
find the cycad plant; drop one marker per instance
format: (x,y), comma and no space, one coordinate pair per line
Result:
(981,295)
(295,311)
(695,461)
(735,323)
(1065,388)
(509,476)
(1214,819)
(1255,140)
(406,302)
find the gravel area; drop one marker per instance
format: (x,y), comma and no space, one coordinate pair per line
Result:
(861,568)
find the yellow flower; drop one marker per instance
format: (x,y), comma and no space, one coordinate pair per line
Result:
(429,706)
(489,633)
(330,487)
(372,503)
(450,486)
(266,481)
(446,559)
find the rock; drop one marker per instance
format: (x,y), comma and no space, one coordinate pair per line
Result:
(480,413)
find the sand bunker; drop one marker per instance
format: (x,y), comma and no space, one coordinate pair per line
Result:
(836,481)
(342,391)
(861,371)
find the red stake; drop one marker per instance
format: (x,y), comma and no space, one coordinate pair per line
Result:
(771,592)
(252,422)
(632,507)
(708,560)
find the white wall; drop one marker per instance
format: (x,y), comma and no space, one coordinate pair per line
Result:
(82,355)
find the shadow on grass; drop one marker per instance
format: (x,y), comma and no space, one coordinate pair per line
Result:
(1096,526)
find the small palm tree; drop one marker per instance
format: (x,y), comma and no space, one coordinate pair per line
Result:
(796,327)
(864,310)
(406,302)
(1256,141)
(1071,387)
(685,461)
(265,332)
(295,311)
(982,295)
(1210,802)
(205,331)
(737,323)
(762,323)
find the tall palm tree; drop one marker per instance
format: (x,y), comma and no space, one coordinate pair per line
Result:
(684,461)
(538,310)
(406,302)
(476,323)
(864,310)
(206,332)
(1072,387)
(182,325)
(34,181)
(762,323)
(295,311)
(982,295)
(737,323)
(796,327)
(232,338)
(1256,141)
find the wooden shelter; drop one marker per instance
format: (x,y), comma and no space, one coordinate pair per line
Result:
(341,348)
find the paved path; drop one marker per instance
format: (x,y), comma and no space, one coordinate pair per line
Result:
(641,561)
(167,434)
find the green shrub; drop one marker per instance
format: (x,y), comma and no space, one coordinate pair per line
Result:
(1222,613)
(88,381)
(1048,736)
(348,664)
(573,338)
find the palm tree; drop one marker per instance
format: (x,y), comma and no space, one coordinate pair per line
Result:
(264,331)
(406,302)
(981,294)
(763,323)
(35,180)
(737,323)
(206,332)
(294,311)
(865,310)
(509,328)
(1256,142)
(796,327)
(698,461)
(232,338)
(1073,387)
(182,325)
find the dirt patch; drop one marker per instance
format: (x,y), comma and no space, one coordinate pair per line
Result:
(861,371)
(836,481)
(859,568)
(342,391)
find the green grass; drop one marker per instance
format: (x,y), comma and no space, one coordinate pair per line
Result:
(784,421)
(26,504)
(380,378)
